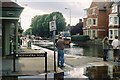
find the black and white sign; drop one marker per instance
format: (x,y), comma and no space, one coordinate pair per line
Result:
(52,25)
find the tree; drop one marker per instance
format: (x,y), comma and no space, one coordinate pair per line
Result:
(27,32)
(40,24)
(77,29)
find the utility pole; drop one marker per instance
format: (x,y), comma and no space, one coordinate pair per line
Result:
(52,25)
(69,15)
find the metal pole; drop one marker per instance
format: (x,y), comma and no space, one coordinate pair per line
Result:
(54,51)
(70,17)
(14,56)
(69,14)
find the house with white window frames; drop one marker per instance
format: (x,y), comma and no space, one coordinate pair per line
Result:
(96,22)
(114,21)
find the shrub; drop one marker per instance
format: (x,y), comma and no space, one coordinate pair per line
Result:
(80,38)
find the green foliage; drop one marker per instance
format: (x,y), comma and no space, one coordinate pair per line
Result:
(27,32)
(80,38)
(40,24)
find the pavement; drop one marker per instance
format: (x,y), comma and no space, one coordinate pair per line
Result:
(34,66)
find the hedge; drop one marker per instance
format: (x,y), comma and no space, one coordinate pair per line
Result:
(80,38)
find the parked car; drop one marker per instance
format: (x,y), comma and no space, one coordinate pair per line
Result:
(66,36)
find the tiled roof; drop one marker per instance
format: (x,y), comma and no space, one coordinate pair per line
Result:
(102,5)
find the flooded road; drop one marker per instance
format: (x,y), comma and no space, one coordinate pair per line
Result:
(77,49)
(84,50)
(91,71)
(84,73)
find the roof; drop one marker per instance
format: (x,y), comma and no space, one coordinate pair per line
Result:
(10,5)
(101,5)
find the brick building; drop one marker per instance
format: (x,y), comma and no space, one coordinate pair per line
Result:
(96,22)
(114,21)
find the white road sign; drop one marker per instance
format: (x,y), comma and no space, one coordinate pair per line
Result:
(52,25)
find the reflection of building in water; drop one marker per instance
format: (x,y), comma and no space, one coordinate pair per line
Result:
(97,72)
(101,72)
(116,71)
(110,71)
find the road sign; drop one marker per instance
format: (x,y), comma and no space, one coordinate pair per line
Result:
(52,25)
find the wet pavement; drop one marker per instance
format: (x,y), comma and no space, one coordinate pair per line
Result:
(98,72)
(77,67)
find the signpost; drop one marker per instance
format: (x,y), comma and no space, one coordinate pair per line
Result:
(52,26)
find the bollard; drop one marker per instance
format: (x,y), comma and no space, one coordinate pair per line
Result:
(45,61)
(14,56)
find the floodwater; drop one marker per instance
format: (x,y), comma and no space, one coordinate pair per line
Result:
(77,49)
(85,73)
(84,50)
(91,72)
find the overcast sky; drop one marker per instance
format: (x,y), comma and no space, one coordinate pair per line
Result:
(39,7)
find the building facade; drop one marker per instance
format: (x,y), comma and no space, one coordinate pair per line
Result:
(114,21)
(10,13)
(96,22)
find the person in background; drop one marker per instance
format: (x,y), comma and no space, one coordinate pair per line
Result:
(106,46)
(116,46)
(60,47)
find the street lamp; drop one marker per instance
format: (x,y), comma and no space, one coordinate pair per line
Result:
(69,14)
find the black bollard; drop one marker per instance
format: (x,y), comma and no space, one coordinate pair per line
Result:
(14,56)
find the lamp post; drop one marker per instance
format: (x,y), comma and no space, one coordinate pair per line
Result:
(54,18)
(69,14)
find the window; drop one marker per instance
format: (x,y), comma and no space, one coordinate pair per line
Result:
(89,21)
(94,21)
(115,32)
(94,34)
(115,20)
(93,11)
(114,9)
(111,19)
(111,33)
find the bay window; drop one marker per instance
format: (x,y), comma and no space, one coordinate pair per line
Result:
(113,20)
(92,22)
(113,33)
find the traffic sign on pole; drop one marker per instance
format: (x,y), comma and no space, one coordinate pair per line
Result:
(52,25)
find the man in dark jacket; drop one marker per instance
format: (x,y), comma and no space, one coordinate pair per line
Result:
(60,47)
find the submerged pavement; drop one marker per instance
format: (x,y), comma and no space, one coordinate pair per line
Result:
(74,65)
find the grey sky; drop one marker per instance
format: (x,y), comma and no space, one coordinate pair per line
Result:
(76,7)
(39,7)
